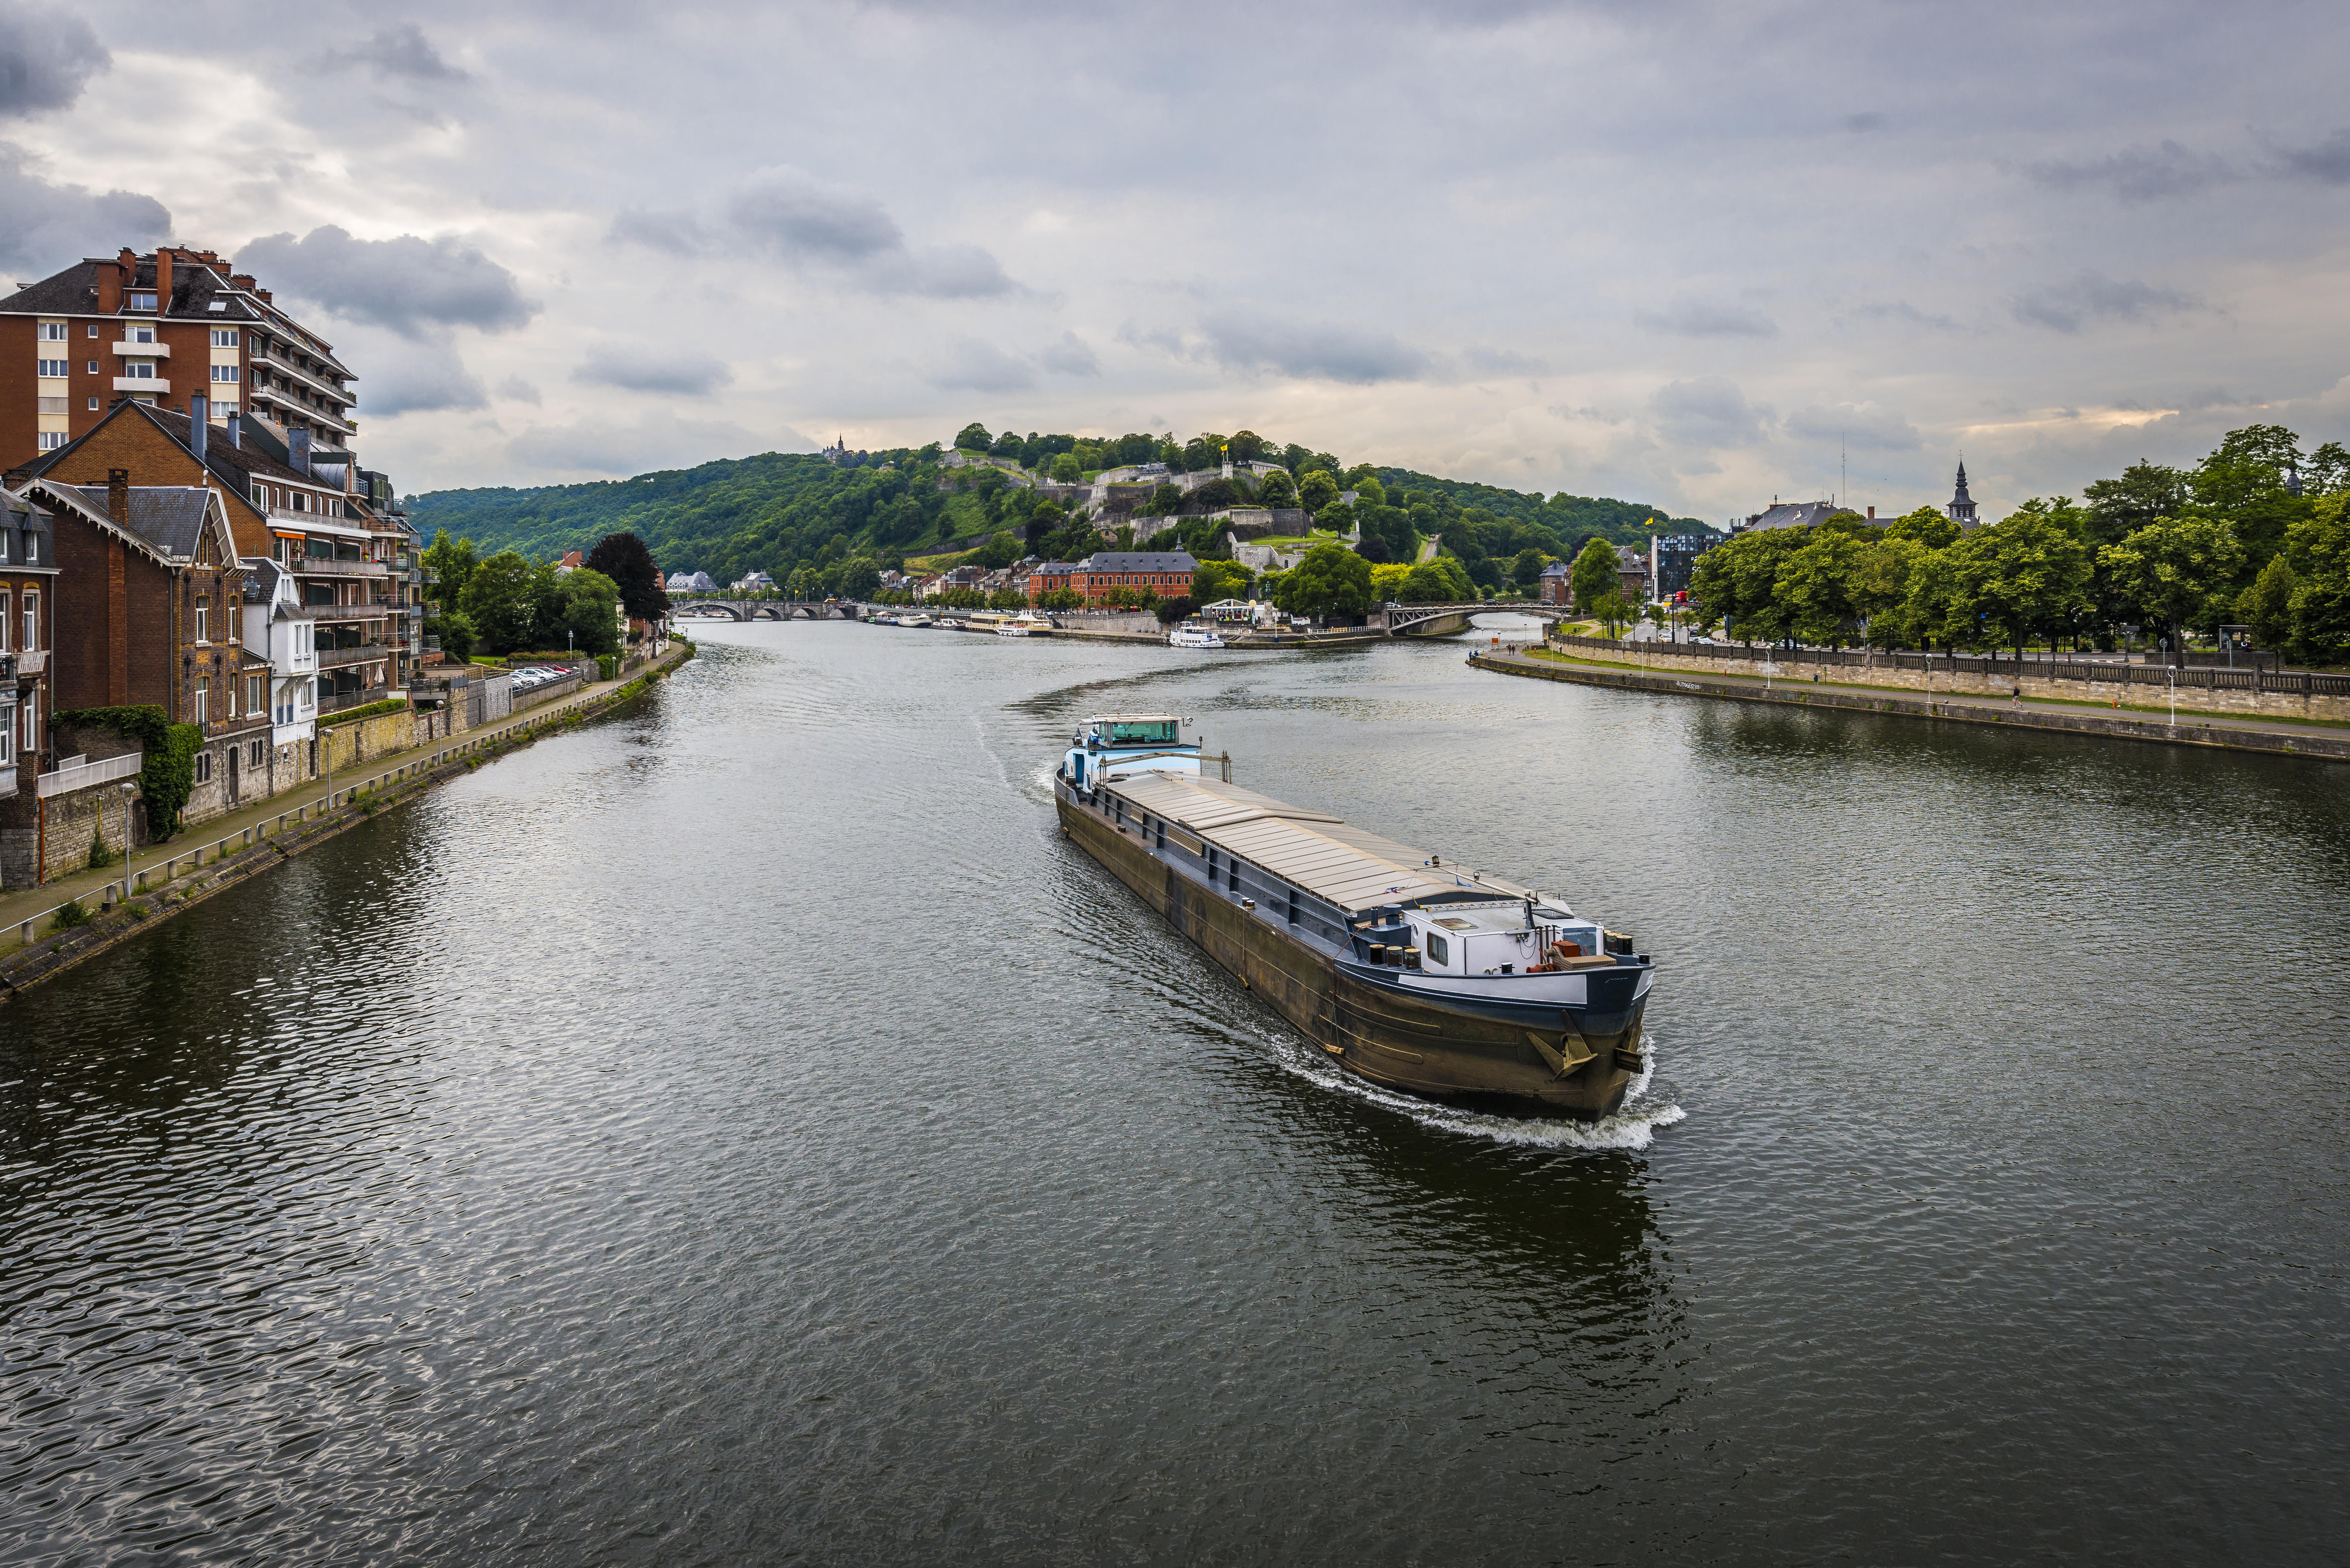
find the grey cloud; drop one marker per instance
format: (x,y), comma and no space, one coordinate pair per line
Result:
(1867,120)
(796,218)
(46,58)
(43,227)
(972,366)
(1707,412)
(2093,297)
(2138,173)
(1072,356)
(420,381)
(1326,351)
(642,370)
(399,50)
(1867,429)
(413,286)
(679,233)
(1689,317)
(515,390)
(2327,162)
(1902,311)
(1501,362)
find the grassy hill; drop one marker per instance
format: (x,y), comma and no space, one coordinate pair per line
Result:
(778,511)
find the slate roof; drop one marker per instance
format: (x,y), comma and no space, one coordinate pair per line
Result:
(236,466)
(194,289)
(1139,560)
(1794,514)
(171,518)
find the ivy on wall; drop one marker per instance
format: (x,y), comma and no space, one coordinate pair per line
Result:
(169,774)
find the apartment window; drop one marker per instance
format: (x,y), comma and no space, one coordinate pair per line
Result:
(223,337)
(254,697)
(59,368)
(31,641)
(4,622)
(140,369)
(93,405)
(142,301)
(50,332)
(223,372)
(231,697)
(49,405)
(204,699)
(220,410)
(140,334)
(203,761)
(93,332)
(49,440)
(7,745)
(28,723)
(203,617)
(93,367)
(257,753)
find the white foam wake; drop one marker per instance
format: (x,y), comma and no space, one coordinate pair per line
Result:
(1633,1126)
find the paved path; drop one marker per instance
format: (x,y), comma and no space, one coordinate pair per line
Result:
(20,904)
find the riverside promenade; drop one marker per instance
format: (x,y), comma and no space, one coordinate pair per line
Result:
(2183,726)
(160,879)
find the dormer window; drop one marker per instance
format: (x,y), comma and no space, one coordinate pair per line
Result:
(142,301)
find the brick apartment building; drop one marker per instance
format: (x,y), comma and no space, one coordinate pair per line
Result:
(325,523)
(160,328)
(29,601)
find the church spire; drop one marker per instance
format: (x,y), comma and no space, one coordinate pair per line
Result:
(1962,505)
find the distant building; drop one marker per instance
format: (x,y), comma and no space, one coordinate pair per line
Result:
(1673,559)
(756,583)
(690,583)
(1789,515)
(1167,573)
(1962,505)
(1554,588)
(572,561)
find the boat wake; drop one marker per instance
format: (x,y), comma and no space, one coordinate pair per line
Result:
(1633,1127)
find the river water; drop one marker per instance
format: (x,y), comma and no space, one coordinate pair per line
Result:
(744,1130)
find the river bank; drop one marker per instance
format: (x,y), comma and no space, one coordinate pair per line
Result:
(152,886)
(2274,736)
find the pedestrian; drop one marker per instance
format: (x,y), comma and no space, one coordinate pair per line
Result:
(2016,699)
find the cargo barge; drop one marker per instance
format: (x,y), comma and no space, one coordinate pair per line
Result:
(1440,981)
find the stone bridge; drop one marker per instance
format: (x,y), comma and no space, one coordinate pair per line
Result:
(1435,620)
(767,609)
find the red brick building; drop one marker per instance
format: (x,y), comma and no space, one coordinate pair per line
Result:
(1166,573)
(29,601)
(151,613)
(160,328)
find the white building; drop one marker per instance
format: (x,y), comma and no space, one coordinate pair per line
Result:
(279,628)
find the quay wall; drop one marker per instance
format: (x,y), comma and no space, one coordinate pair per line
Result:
(2268,694)
(1804,694)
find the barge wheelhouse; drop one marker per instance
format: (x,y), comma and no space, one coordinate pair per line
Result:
(1443,982)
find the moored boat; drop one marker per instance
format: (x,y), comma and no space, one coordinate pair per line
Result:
(1195,634)
(1024,625)
(1443,982)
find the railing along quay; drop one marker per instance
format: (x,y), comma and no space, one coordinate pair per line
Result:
(2295,682)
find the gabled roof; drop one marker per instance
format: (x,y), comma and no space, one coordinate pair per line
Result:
(170,517)
(236,466)
(1139,560)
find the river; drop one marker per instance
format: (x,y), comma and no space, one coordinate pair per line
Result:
(744,1130)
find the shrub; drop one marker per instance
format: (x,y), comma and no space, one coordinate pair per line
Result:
(100,856)
(69,915)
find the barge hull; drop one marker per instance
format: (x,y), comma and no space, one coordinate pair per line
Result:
(1379,1032)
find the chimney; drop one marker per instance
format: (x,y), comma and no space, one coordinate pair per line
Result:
(163,280)
(1872,514)
(118,495)
(240,280)
(200,425)
(110,287)
(237,431)
(297,451)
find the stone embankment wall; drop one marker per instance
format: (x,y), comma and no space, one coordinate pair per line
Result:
(2133,685)
(363,741)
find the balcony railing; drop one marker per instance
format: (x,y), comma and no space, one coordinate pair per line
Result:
(32,660)
(322,567)
(347,612)
(83,775)
(336,658)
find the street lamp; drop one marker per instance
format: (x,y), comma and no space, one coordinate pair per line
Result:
(128,791)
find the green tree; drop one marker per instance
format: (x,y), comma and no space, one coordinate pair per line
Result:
(2178,570)
(1527,567)
(1593,575)
(859,580)
(2327,472)
(458,638)
(1815,586)
(1929,525)
(1610,610)
(1276,490)
(503,598)
(1316,491)
(2244,481)
(1881,573)
(587,609)
(1212,581)
(1331,580)
(2320,549)
(2267,605)
(973,437)
(2144,495)
(1369,492)
(2026,575)
(1066,469)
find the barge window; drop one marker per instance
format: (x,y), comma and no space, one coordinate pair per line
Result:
(1293,905)
(1160,829)
(1232,876)
(1439,950)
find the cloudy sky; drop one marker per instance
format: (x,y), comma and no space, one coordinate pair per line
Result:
(1673,252)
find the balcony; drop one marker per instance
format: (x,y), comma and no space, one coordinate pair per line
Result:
(337,658)
(144,350)
(339,700)
(84,775)
(154,384)
(32,661)
(321,566)
(347,612)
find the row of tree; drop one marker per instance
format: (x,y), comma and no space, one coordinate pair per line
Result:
(507,603)
(2254,534)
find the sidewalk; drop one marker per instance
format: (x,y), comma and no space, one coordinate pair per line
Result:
(20,904)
